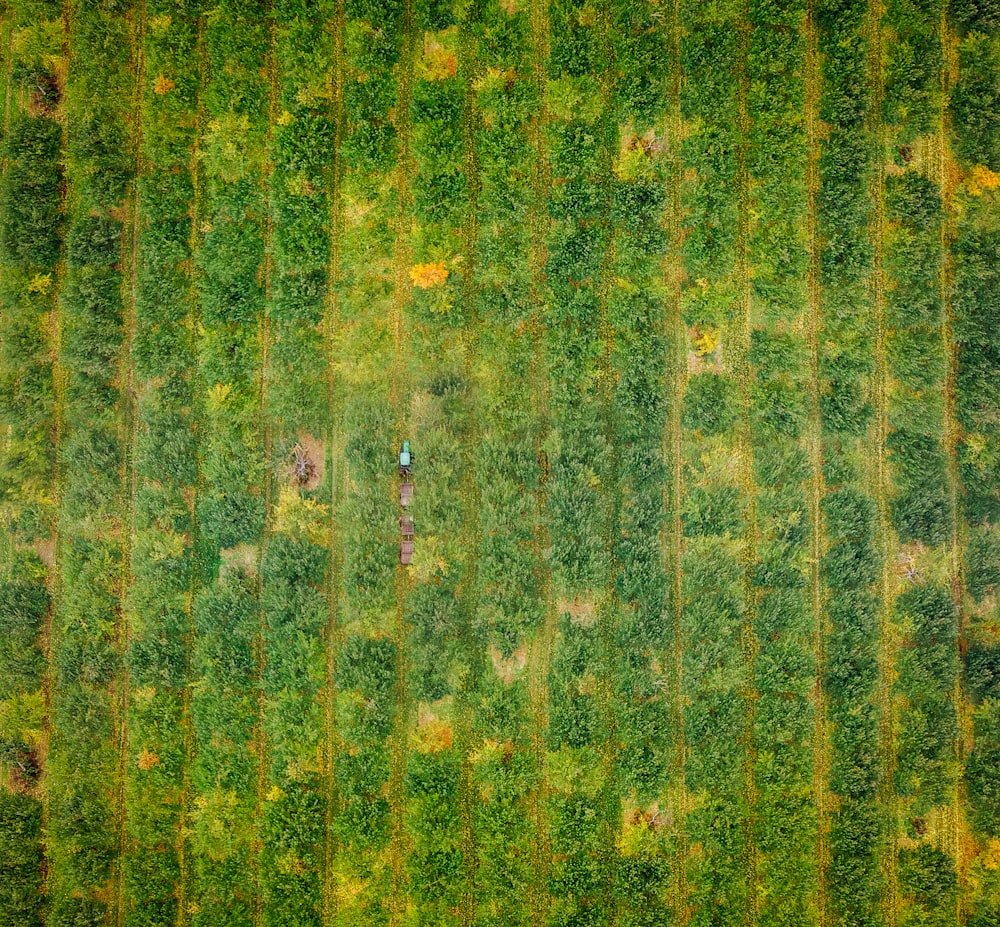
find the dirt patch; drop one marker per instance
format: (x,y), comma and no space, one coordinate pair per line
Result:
(307,466)
(46,551)
(44,95)
(355,210)
(433,733)
(582,612)
(508,668)
(242,558)
(906,568)
(651,817)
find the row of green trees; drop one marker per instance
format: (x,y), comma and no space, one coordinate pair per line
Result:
(297,564)
(926,665)
(582,809)
(83,777)
(636,649)
(851,558)
(716,673)
(225,835)
(24,608)
(369,708)
(781,429)
(29,254)
(166,573)
(972,111)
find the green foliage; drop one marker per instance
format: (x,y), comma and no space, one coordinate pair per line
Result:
(24,603)
(21,860)
(714,511)
(233,614)
(927,875)
(912,71)
(709,404)
(977,285)
(980,15)
(928,671)
(982,671)
(29,195)
(982,770)
(850,563)
(975,101)
(921,510)
(982,564)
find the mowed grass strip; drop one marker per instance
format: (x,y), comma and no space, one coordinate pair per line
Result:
(405,277)
(469,69)
(675,362)
(538,657)
(136,24)
(165,575)
(740,333)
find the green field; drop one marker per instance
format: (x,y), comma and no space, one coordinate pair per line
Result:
(690,312)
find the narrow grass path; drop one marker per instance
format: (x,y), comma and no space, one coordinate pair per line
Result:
(822,745)
(744,449)
(337,470)
(673,539)
(7,25)
(402,294)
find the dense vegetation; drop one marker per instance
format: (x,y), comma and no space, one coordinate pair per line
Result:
(690,313)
